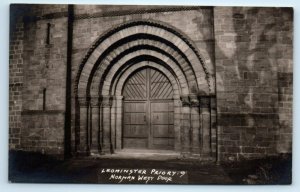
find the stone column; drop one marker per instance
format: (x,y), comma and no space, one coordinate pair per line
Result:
(213,125)
(185,125)
(95,125)
(83,146)
(119,120)
(195,125)
(205,125)
(100,134)
(177,124)
(106,112)
(113,124)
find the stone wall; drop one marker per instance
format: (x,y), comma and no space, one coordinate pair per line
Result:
(284,57)
(15,79)
(40,69)
(253,62)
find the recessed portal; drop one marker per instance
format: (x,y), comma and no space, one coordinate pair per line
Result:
(148,111)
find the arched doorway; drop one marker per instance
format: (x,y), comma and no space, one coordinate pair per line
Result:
(101,99)
(148,111)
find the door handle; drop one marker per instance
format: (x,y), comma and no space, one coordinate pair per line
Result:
(145,118)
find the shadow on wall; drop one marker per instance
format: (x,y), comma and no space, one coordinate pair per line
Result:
(16,13)
(247,83)
(205,44)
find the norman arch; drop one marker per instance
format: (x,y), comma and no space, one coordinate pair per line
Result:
(152,48)
(134,30)
(107,79)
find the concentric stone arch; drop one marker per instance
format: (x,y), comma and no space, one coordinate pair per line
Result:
(140,56)
(170,56)
(150,27)
(118,83)
(114,52)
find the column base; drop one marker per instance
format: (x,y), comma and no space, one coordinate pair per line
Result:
(206,156)
(196,156)
(82,150)
(185,154)
(106,149)
(94,152)
(195,150)
(82,153)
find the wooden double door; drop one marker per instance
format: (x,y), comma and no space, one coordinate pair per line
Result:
(148,111)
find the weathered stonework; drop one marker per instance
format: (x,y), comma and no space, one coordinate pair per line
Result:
(249,54)
(230,69)
(15,82)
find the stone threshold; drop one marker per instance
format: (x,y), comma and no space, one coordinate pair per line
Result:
(146,154)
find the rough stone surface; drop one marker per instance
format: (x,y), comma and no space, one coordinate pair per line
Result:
(254,81)
(15,82)
(37,80)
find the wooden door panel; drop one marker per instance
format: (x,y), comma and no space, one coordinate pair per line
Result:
(127,107)
(138,107)
(160,130)
(127,118)
(171,131)
(133,131)
(162,121)
(137,118)
(171,117)
(134,107)
(127,131)
(163,143)
(135,143)
(166,131)
(160,107)
(148,111)
(160,86)
(160,118)
(160,141)
(171,107)
(136,86)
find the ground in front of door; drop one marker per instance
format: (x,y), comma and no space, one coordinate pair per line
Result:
(37,168)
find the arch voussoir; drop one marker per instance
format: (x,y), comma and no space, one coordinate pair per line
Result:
(144,53)
(133,46)
(148,28)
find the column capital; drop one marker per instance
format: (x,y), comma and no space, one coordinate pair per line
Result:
(194,100)
(83,101)
(213,103)
(106,101)
(205,102)
(185,100)
(119,97)
(95,101)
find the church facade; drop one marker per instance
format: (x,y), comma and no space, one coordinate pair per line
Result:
(212,83)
